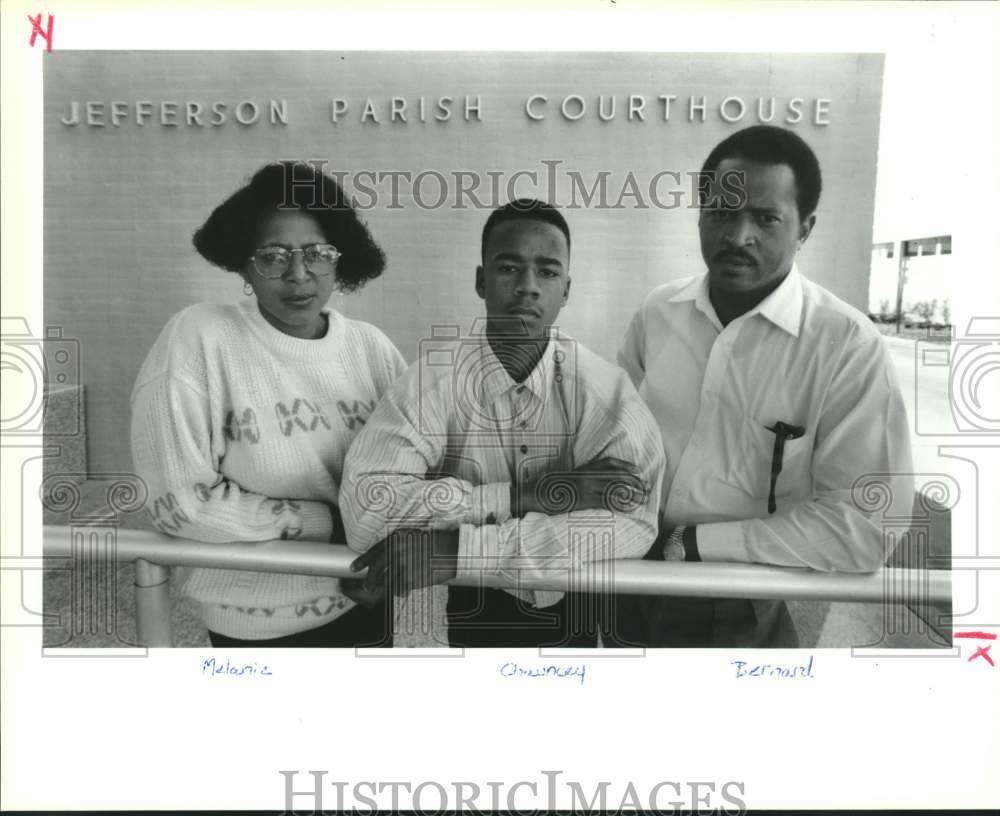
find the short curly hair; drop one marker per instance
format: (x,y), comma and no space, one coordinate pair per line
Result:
(226,239)
(768,144)
(524,209)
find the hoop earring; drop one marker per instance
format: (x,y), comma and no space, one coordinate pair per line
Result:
(247,288)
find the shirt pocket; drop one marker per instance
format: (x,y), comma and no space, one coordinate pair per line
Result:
(751,468)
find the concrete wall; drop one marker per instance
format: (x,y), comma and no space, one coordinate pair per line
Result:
(121,202)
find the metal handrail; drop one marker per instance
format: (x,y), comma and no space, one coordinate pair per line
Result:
(154,552)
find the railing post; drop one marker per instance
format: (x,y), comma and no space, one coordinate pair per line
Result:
(152,603)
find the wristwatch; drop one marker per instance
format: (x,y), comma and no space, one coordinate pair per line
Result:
(673,548)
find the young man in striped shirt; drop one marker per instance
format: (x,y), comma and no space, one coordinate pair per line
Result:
(511,453)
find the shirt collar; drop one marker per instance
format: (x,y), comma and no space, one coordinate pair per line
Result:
(690,290)
(495,381)
(783,307)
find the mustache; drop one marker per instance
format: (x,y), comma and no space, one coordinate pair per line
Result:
(737,254)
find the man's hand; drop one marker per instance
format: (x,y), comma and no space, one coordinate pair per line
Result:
(409,559)
(603,484)
(357,590)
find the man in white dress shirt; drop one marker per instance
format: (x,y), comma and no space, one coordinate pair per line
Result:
(776,401)
(512,452)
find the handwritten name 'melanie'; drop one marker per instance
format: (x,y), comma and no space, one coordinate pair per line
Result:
(213,667)
(514,670)
(744,669)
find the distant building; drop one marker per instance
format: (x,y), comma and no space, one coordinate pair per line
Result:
(922,266)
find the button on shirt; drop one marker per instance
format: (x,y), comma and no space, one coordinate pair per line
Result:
(806,358)
(447,441)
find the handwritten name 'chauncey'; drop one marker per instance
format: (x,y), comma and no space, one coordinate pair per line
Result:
(514,670)
(213,667)
(744,669)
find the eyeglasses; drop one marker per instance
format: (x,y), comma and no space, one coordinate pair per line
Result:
(274,261)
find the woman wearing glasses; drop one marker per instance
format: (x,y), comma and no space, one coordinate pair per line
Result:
(242,414)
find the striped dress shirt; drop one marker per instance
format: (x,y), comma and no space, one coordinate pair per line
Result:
(449,438)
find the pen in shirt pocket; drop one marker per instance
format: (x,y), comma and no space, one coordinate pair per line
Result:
(782,431)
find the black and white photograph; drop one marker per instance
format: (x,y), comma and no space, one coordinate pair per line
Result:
(465,382)
(670,274)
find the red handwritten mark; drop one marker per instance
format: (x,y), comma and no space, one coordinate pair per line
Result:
(36,30)
(976,635)
(981,652)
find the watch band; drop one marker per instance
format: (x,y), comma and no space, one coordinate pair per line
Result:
(677,536)
(681,547)
(673,547)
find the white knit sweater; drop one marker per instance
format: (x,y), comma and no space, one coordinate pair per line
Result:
(240,432)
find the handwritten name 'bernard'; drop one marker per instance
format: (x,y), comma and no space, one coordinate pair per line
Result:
(744,669)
